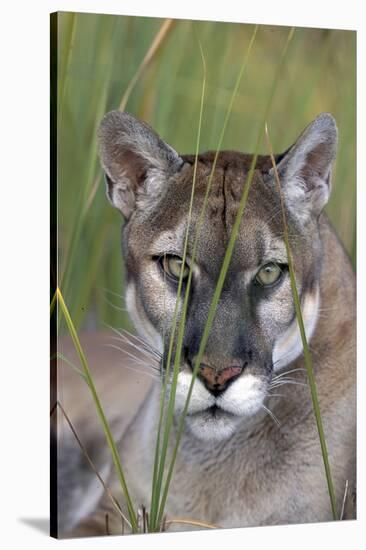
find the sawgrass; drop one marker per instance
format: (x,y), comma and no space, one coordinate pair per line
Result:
(177,359)
(307,354)
(227,257)
(93,229)
(161,452)
(87,376)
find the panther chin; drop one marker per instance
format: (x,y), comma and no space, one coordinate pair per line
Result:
(213,418)
(213,424)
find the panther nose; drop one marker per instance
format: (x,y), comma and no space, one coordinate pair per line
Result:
(217,380)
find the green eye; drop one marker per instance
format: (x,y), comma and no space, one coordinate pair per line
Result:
(268,274)
(172,266)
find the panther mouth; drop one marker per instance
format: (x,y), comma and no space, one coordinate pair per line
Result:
(214,411)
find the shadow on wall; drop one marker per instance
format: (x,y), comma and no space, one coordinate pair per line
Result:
(39,524)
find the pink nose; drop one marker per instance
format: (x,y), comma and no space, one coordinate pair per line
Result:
(217,380)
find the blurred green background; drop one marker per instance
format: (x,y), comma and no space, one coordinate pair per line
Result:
(99,56)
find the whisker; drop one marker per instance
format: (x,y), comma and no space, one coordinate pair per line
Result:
(147,345)
(282,383)
(119,308)
(139,340)
(129,343)
(137,370)
(136,359)
(283,379)
(113,293)
(287,372)
(289,353)
(272,415)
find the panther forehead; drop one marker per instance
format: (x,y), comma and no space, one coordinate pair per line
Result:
(159,233)
(169,241)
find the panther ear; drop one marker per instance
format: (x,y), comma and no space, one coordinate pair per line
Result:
(305,169)
(129,151)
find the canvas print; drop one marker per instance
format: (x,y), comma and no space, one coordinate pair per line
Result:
(203,313)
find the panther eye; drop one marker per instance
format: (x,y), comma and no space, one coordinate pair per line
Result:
(268,274)
(172,266)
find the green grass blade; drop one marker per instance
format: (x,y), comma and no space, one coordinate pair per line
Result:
(59,355)
(307,355)
(108,434)
(195,246)
(160,455)
(223,271)
(155,45)
(87,457)
(64,77)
